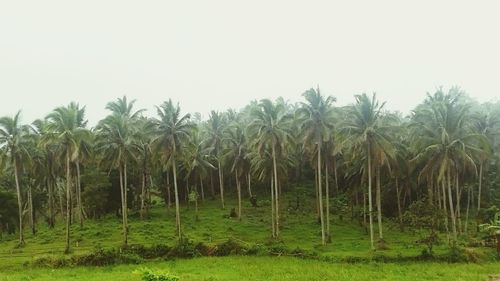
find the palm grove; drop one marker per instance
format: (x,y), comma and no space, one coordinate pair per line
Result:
(380,164)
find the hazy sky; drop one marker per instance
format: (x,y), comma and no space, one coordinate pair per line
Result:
(221,54)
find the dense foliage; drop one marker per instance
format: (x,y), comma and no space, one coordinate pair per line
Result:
(435,169)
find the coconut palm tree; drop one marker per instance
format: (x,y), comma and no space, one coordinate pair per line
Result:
(13,139)
(173,130)
(269,129)
(216,128)
(367,135)
(317,127)
(67,123)
(238,154)
(446,146)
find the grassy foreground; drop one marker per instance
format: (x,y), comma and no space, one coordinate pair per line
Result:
(266,268)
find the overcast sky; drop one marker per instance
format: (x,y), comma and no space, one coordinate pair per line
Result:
(222,54)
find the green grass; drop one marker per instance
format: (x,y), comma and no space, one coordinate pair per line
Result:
(266,268)
(299,229)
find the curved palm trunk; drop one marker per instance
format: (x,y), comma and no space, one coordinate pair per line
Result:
(452,212)
(176,194)
(370,205)
(277,209)
(379,206)
(249,185)
(221,184)
(68,202)
(19,203)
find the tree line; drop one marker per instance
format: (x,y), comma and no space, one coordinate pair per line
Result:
(443,153)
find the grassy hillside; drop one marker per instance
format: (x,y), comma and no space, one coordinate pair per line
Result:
(300,229)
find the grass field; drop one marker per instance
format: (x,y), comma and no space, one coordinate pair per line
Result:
(266,268)
(300,229)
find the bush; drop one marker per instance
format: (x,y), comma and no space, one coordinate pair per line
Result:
(185,248)
(230,247)
(50,261)
(456,255)
(156,275)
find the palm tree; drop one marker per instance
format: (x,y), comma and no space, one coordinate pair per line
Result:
(444,144)
(270,129)
(317,126)
(367,135)
(197,159)
(67,123)
(173,131)
(216,125)
(13,138)
(237,152)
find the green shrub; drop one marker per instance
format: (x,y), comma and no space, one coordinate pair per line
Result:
(185,248)
(156,275)
(230,247)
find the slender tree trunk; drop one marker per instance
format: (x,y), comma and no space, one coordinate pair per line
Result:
(221,184)
(400,212)
(364,213)
(335,173)
(467,211)
(176,194)
(272,208)
(321,215)
(452,212)
(68,202)
(316,190)
(79,194)
(19,203)
(370,205)
(457,209)
(122,193)
(238,187)
(212,189)
(249,185)
(169,196)
(379,205)
(50,189)
(202,189)
(480,186)
(443,183)
(31,211)
(276,197)
(143,194)
(327,195)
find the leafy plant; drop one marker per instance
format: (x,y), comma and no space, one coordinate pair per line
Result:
(155,275)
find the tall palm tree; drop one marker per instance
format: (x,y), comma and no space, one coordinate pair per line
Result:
(317,126)
(237,152)
(445,145)
(367,135)
(13,139)
(269,128)
(67,123)
(173,131)
(216,124)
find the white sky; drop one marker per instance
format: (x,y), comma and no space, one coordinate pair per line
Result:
(222,54)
